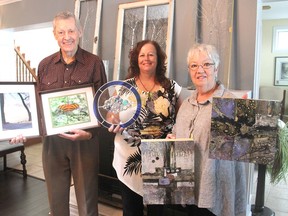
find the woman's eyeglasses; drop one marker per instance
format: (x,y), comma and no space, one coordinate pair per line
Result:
(206,65)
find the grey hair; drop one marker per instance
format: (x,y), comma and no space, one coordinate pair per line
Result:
(66,15)
(210,50)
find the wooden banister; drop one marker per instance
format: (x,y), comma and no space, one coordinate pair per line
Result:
(24,72)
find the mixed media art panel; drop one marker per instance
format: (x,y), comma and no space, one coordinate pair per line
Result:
(168,171)
(244,129)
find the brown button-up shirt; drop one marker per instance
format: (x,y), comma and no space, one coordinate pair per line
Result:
(54,73)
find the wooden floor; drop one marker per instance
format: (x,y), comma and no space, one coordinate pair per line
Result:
(19,196)
(35,171)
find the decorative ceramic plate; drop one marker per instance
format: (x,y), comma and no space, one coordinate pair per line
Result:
(117,103)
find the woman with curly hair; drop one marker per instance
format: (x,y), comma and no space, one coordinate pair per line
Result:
(159,96)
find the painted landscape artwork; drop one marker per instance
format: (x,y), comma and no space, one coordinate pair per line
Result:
(244,130)
(168,171)
(18,110)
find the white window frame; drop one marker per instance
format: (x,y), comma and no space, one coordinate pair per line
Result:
(77,6)
(276,47)
(121,13)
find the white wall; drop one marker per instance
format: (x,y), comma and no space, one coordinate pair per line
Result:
(7,59)
(36,43)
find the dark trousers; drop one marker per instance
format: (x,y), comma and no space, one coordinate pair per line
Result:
(62,159)
(133,206)
(193,210)
(179,210)
(131,201)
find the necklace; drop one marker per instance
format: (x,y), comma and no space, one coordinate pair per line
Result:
(145,87)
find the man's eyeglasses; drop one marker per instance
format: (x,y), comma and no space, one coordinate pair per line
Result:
(204,66)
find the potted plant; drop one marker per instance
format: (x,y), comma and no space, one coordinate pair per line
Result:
(279,169)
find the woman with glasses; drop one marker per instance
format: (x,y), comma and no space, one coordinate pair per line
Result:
(219,185)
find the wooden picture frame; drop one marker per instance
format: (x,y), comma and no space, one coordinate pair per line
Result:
(18,110)
(68,108)
(281,71)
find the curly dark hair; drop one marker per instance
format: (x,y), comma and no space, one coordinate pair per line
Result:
(134,70)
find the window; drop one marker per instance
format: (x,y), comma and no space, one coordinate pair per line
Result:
(89,14)
(280,42)
(138,21)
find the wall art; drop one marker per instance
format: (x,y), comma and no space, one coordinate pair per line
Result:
(281,71)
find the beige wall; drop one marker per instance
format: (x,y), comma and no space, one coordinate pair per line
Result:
(267,56)
(267,88)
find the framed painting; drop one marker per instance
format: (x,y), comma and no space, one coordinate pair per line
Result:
(281,71)
(168,171)
(68,108)
(244,130)
(18,110)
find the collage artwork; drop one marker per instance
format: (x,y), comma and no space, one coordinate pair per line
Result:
(241,130)
(244,130)
(168,171)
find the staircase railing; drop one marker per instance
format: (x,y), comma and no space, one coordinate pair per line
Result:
(24,72)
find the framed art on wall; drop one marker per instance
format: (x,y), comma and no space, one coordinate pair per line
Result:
(18,110)
(281,71)
(68,108)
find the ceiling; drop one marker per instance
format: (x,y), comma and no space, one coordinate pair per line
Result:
(5,2)
(278,10)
